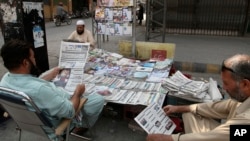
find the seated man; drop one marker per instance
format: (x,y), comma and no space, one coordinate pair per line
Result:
(199,123)
(18,58)
(82,35)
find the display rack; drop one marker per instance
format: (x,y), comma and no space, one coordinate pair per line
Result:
(115,19)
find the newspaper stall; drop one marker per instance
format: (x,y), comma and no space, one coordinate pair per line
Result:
(129,82)
(117,79)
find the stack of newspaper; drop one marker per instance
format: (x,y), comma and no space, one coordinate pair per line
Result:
(182,85)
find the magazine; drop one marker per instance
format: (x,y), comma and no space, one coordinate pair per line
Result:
(127,14)
(115,3)
(101,28)
(110,29)
(160,55)
(154,120)
(108,13)
(118,29)
(99,13)
(117,15)
(127,29)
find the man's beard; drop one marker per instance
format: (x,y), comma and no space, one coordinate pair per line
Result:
(80,32)
(34,71)
(238,95)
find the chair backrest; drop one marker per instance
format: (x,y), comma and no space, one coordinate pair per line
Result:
(24,111)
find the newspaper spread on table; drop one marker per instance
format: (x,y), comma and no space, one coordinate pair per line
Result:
(154,120)
(74,56)
(120,90)
(72,59)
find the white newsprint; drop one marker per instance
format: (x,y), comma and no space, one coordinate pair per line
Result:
(154,120)
(73,56)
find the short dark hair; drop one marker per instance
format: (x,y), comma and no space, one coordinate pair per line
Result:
(14,52)
(243,69)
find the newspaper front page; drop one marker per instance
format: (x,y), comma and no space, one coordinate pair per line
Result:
(154,120)
(72,59)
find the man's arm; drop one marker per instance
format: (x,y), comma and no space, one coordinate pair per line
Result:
(170,109)
(72,36)
(75,99)
(50,74)
(90,39)
(220,133)
(65,12)
(80,88)
(159,137)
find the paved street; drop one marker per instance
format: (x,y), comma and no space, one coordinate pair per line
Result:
(189,48)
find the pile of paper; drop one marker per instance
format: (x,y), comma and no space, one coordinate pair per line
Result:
(182,85)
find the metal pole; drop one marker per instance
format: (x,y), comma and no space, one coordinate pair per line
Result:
(99,41)
(51,10)
(92,17)
(94,26)
(134,30)
(147,19)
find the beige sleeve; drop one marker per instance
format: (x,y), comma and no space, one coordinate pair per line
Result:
(217,110)
(71,36)
(90,39)
(221,110)
(206,136)
(193,108)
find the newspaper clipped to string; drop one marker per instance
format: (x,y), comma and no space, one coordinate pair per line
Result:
(73,56)
(154,120)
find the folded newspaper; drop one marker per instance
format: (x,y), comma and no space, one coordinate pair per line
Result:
(154,120)
(181,85)
(179,82)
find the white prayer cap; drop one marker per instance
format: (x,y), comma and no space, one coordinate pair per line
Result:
(80,22)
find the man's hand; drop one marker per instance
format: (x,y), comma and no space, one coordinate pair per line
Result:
(75,99)
(50,74)
(80,89)
(170,109)
(159,137)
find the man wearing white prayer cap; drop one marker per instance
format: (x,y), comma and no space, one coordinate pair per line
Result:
(82,35)
(80,22)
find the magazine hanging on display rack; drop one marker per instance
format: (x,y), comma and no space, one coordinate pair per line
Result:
(115,18)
